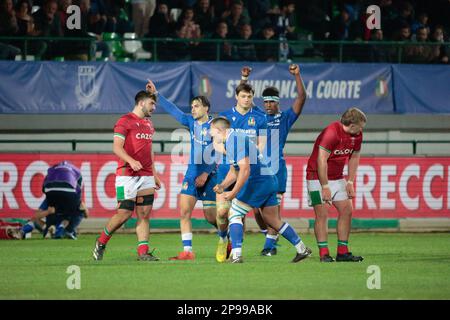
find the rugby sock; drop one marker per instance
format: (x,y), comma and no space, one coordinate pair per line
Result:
(28,227)
(264,232)
(105,236)
(323,248)
(271,240)
(186,238)
(342,246)
(236,235)
(142,247)
(290,235)
(222,235)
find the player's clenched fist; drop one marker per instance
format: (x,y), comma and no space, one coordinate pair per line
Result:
(245,71)
(135,165)
(294,69)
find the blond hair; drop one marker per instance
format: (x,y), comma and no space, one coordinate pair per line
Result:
(353,116)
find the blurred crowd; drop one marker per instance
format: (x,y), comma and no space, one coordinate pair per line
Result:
(422,25)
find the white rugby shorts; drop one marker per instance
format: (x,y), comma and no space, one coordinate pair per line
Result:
(128,187)
(337,188)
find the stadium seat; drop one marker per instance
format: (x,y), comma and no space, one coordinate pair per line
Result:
(112,39)
(134,47)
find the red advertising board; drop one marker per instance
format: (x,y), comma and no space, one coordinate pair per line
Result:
(386,187)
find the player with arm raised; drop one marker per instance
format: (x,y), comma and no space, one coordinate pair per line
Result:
(199,178)
(340,141)
(254,187)
(279,124)
(136,177)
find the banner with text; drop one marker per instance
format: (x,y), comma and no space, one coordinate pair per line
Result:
(331,88)
(399,187)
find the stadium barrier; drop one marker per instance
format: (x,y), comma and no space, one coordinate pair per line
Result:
(164,49)
(109,88)
(392,193)
(163,143)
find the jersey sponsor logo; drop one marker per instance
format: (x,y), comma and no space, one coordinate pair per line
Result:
(342,152)
(146,136)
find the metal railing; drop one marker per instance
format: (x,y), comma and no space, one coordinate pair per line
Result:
(328,50)
(163,143)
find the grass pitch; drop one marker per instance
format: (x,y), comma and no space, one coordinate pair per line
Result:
(413,266)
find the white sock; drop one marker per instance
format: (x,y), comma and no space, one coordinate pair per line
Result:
(237,252)
(301,248)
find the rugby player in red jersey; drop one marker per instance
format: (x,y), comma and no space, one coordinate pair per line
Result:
(340,141)
(136,177)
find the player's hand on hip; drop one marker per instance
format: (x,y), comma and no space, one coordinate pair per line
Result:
(135,165)
(201,180)
(350,190)
(218,189)
(326,195)
(294,69)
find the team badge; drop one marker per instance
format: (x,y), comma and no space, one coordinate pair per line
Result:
(251,121)
(185,185)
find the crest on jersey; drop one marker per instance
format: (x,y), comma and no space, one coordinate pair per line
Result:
(86,90)
(185,185)
(251,121)
(204,88)
(234,118)
(204,132)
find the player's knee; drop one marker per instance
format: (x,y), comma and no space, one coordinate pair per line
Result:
(127,205)
(185,213)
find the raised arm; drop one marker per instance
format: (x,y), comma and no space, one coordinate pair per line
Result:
(168,106)
(299,102)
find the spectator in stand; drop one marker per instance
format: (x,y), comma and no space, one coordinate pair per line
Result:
(244,51)
(142,11)
(422,21)
(403,34)
(377,52)
(97,17)
(285,21)
(210,51)
(48,24)
(8,21)
(26,27)
(260,11)
(62,12)
(267,52)
(404,17)
(236,19)
(441,51)
(204,17)
(422,52)
(177,51)
(159,25)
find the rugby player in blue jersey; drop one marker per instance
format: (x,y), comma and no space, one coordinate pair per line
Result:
(200,176)
(255,186)
(246,120)
(279,123)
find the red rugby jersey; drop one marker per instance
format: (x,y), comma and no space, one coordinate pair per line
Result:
(340,145)
(138,134)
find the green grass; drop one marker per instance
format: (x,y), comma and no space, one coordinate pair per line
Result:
(413,266)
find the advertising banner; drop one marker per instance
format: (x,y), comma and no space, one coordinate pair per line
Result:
(397,187)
